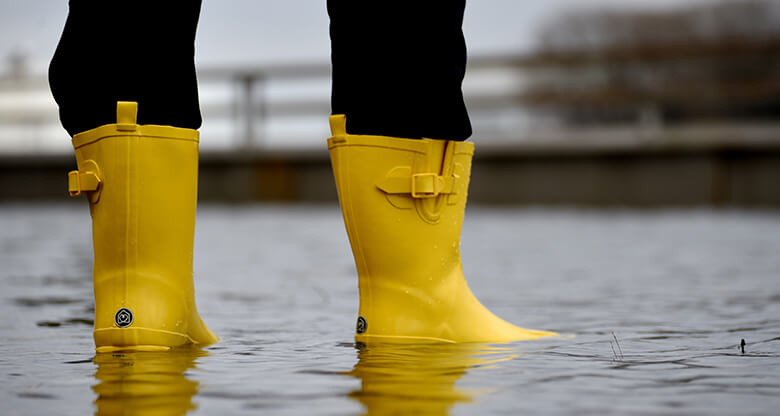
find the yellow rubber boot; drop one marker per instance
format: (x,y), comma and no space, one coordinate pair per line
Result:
(141,182)
(403,202)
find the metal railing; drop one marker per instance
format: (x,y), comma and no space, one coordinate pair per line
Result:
(251,103)
(255,100)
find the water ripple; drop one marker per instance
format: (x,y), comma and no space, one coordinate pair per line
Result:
(653,304)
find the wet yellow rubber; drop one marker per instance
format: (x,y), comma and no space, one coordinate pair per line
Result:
(403,203)
(141,183)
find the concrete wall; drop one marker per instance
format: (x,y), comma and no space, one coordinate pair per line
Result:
(711,178)
(743,174)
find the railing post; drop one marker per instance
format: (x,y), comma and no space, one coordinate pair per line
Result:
(246,109)
(251,106)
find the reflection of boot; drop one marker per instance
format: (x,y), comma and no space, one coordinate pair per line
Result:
(146,383)
(403,202)
(141,182)
(417,379)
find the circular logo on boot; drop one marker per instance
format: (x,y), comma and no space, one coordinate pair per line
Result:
(123,317)
(362,325)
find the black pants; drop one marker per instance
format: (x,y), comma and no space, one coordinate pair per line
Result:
(397,65)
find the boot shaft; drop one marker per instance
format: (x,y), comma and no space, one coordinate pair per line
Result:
(406,196)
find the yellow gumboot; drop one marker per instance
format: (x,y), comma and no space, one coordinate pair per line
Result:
(141,182)
(403,202)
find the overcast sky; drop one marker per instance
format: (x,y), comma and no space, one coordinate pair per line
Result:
(261,31)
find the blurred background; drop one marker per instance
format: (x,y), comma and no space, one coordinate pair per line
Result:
(573,102)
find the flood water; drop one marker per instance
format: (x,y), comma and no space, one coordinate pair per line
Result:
(652,305)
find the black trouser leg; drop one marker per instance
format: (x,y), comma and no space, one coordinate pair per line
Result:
(127,51)
(398,67)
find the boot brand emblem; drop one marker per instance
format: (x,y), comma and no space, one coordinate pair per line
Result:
(361,325)
(123,317)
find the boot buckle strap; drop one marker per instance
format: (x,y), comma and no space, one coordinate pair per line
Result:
(79,182)
(419,185)
(85,180)
(426,185)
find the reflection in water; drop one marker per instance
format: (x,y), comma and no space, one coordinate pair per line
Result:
(148,383)
(419,378)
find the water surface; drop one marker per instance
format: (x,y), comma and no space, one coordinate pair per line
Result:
(653,306)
